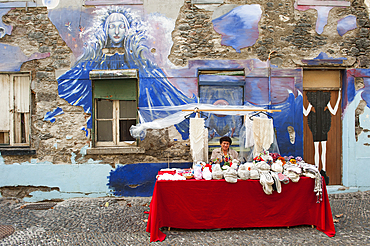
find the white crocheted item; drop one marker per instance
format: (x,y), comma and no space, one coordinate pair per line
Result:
(217,172)
(167,176)
(205,146)
(294,177)
(254,174)
(207,175)
(198,175)
(277,166)
(263,134)
(196,136)
(276,181)
(230,175)
(263,166)
(249,141)
(266,181)
(243,172)
(234,166)
(312,171)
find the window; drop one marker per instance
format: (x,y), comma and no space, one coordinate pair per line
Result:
(15,109)
(115,111)
(222,88)
(113,121)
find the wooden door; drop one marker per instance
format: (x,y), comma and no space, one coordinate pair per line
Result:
(323,130)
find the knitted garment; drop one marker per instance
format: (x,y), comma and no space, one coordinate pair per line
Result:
(254,174)
(277,167)
(294,177)
(196,135)
(231,176)
(266,181)
(207,175)
(205,146)
(263,166)
(263,134)
(217,172)
(313,172)
(198,175)
(243,172)
(276,181)
(249,140)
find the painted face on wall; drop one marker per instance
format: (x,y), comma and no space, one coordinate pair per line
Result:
(116,32)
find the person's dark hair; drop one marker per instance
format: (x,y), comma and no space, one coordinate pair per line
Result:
(225,138)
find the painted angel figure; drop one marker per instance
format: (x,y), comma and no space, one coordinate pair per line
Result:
(116,41)
(319,121)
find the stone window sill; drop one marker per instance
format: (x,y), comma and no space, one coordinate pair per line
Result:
(17,151)
(115,150)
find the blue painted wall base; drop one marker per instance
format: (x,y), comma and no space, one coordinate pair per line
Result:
(138,179)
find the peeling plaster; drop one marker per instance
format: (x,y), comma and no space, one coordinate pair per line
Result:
(73,161)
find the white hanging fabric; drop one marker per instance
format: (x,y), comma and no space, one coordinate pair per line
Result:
(263,134)
(196,135)
(205,148)
(249,140)
(176,115)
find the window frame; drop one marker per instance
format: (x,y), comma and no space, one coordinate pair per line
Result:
(115,125)
(15,130)
(115,76)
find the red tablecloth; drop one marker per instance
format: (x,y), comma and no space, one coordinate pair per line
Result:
(202,204)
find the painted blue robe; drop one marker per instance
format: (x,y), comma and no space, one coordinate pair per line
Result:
(154,88)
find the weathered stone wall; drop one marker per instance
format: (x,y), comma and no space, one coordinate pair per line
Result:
(289,32)
(33,32)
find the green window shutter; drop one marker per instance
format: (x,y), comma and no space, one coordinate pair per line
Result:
(115,89)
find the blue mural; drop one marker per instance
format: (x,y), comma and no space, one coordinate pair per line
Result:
(322,15)
(4,29)
(239,27)
(346,24)
(323,58)
(120,28)
(138,179)
(13,57)
(72,27)
(349,89)
(50,116)
(291,116)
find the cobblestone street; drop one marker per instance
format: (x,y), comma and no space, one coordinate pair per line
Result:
(122,221)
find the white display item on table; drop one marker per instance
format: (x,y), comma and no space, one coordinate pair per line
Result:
(217,172)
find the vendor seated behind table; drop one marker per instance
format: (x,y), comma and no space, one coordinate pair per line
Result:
(224,153)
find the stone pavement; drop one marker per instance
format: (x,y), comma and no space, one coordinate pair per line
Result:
(122,221)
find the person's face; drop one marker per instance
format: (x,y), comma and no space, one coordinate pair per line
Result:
(225,146)
(116,31)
